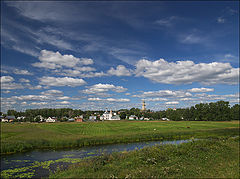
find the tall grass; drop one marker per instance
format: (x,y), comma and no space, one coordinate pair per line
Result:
(22,137)
(216,158)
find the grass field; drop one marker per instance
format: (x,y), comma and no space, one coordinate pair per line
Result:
(214,158)
(19,137)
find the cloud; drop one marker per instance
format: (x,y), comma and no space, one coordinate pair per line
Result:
(164,93)
(191,39)
(53,60)
(65,81)
(38,103)
(95,99)
(63,98)
(172,103)
(86,74)
(109,99)
(30,98)
(187,72)
(7,82)
(52,93)
(35,87)
(6,92)
(119,71)
(200,90)
(21,72)
(64,102)
(23,80)
(156,99)
(118,100)
(6,79)
(8,69)
(101,88)
(221,20)
(168,21)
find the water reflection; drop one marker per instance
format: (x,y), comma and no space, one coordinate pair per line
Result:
(40,163)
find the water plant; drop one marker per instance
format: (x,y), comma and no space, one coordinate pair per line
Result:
(215,158)
(24,137)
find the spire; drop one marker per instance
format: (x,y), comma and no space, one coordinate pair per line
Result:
(143,105)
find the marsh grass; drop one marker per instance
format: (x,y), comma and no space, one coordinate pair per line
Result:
(24,137)
(215,158)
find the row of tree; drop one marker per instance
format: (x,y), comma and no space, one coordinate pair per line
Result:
(217,111)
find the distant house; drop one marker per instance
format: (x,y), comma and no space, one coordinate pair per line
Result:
(21,117)
(71,120)
(109,116)
(92,118)
(10,118)
(51,119)
(3,119)
(165,119)
(133,117)
(79,118)
(106,115)
(39,117)
(116,117)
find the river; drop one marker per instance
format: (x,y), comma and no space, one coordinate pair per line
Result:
(39,163)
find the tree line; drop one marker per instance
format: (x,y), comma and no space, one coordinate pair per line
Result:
(215,111)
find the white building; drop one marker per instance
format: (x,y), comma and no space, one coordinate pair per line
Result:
(132,117)
(21,117)
(109,116)
(165,119)
(51,119)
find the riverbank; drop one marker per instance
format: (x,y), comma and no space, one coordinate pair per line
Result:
(28,136)
(216,158)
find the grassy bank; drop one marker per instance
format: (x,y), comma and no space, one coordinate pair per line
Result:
(216,158)
(27,136)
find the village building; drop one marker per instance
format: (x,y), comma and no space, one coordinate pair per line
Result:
(21,118)
(79,118)
(51,119)
(143,105)
(9,119)
(109,116)
(165,119)
(92,118)
(39,117)
(115,117)
(133,117)
(71,120)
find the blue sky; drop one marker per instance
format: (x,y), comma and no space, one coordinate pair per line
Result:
(96,55)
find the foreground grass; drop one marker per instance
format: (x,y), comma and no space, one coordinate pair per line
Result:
(216,158)
(22,137)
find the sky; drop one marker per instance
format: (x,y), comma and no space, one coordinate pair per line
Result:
(92,55)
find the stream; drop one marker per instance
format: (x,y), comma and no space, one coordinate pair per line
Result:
(40,163)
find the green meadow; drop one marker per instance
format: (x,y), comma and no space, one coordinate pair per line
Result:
(214,158)
(19,137)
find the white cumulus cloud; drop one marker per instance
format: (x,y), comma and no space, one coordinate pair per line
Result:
(58,81)
(172,103)
(53,60)
(100,88)
(121,70)
(187,72)
(6,79)
(200,90)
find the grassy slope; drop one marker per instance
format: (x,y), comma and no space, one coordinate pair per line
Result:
(20,137)
(206,159)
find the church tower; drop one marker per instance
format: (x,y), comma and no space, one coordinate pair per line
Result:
(143,105)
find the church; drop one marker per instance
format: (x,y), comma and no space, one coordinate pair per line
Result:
(109,116)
